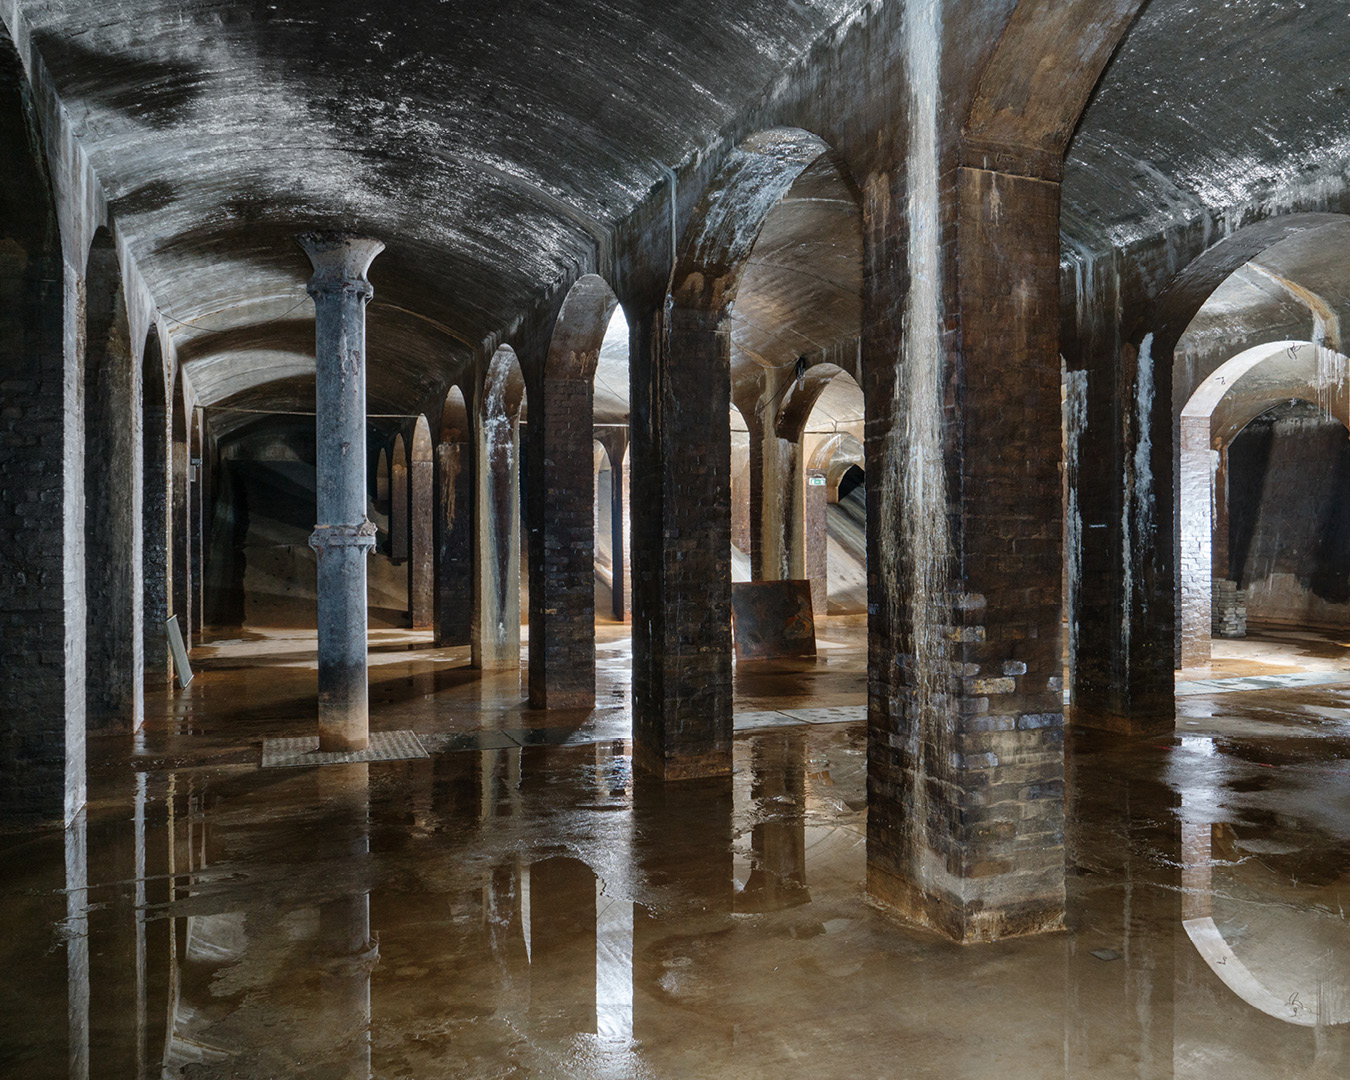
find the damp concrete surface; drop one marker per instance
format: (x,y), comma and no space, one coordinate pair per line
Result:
(516,902)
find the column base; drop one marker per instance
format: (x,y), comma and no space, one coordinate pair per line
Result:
(562,699)
(1116,723)
(967,924)
(696,766)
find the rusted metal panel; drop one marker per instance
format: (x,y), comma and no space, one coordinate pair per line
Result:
(772,619)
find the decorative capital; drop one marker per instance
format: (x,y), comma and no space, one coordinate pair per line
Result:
(340,259)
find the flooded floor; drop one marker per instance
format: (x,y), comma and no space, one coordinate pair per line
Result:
(517,903)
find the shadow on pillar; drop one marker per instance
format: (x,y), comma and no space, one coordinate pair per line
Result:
(454,524)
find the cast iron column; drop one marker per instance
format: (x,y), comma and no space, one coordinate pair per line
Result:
(343,536)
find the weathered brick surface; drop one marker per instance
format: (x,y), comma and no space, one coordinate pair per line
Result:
(155,512)
(969,839)
(681,465)
(421,540)
(112,414)
(454,541)
(562,553)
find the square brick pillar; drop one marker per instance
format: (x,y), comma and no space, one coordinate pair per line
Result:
(421,543)
(42,605)
(681,546)
(965,825)
(453,520)
(562,549)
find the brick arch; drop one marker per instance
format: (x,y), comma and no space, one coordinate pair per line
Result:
(1218,410)
(1037,83)
(682,586)
(801,398)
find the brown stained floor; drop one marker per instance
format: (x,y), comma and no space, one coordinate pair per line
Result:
(524,906)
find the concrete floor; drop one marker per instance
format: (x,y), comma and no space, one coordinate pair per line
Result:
(519,904)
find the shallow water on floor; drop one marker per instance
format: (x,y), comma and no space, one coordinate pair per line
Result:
(505,910)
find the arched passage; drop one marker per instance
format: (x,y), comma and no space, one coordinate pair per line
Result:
(113,657)
(421,544)
(682,674)
(382,486)
(1222,406)
(155,509)
(834,528)
(562,549)
(498,412)
(454,523)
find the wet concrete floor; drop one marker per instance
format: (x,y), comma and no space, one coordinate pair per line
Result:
(519,904)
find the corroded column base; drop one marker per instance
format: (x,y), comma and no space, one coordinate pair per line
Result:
(968,923)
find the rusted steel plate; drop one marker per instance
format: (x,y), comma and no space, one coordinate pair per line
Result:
(772,619)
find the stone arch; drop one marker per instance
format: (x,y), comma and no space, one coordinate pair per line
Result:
(1154,343)
(498,413)
(421,547)
(1229,399)
(156,505)
(114,657)
(454,488)
(562,546)
(1036,85)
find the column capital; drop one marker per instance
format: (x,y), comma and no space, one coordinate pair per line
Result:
(340,259)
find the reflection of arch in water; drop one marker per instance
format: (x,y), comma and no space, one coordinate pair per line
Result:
(1323,1005)
(1227,401)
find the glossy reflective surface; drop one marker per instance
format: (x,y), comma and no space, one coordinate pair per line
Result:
(518,904)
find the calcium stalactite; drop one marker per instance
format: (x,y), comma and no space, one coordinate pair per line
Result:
(920,503)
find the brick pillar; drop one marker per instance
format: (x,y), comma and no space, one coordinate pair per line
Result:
(421,563)
(496,546)
(1197,531)
(775,507)
(182,546)
(114,658)
(398,509)
(155,510)
(197,506)
(1126,592)
(966,751)
(454,542)
(616,443)
(562,550)
(815,540)
(681,464)
(42,610)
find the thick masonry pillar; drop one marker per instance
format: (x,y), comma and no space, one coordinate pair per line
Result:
(344,536)
(422,551)
(454,538)
(615,443)
(681,466)
(562,563)
(966,741)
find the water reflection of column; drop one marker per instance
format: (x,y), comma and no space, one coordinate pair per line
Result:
(1121,1007)
(778,842)
(344,925)
(562,947)
(77,945)
(682,850)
